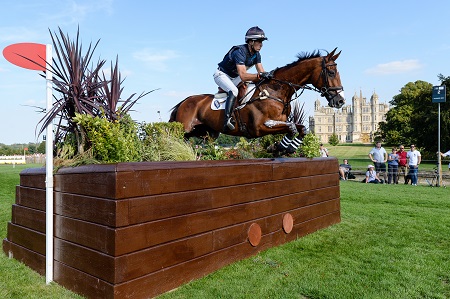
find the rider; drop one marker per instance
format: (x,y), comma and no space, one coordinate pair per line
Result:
(233,69)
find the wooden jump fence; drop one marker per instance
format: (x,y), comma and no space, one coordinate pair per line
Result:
(136,230)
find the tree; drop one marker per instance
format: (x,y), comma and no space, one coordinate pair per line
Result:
(333,140)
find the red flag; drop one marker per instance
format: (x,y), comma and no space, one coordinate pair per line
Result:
(21,54)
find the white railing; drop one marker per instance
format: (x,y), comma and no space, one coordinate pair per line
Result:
(12,160)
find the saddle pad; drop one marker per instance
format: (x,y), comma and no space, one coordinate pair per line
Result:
(218,103)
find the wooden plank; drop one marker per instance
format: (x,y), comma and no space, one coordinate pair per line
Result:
(30,218)
(82,283)
(285,168)
(32,198)
(30,258)
(33,178)
(92,235)
(155,207)
(96,184)
(161,181)
(84,259)
(107,212)
(25,237)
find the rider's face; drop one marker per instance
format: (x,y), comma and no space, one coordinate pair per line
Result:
(257,45)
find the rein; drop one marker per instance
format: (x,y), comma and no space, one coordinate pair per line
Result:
(325,91)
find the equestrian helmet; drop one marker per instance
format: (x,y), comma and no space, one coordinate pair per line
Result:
(255,33)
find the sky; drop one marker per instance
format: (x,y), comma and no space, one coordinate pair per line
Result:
(174,47)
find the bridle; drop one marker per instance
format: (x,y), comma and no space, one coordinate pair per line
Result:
(326,73)
(327,91)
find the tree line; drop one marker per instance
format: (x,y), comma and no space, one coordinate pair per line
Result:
(414,118)
(21,148)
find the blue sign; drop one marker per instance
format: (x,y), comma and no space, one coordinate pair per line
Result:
(439,94)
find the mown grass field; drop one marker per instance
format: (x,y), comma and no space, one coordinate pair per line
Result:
(393,242)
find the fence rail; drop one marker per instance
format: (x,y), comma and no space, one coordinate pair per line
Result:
(12,160)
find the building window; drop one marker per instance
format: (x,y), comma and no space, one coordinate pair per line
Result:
(330,129)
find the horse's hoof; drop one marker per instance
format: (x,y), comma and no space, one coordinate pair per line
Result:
(290,149)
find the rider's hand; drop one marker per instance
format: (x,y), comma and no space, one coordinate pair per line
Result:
(266,75)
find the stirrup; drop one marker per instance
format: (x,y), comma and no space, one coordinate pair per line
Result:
(229,124)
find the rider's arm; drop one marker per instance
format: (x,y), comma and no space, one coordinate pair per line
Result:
(259,68)
(242,71)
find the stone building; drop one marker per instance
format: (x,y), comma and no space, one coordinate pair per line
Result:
(355,123)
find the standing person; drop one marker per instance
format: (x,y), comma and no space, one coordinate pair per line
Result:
(371,176)
(378,156)
(393,166)
(446,154)
(323,151)
(402,162)
(414,159)
(233,69)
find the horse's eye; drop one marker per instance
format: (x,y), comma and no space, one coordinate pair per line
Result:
(331,73)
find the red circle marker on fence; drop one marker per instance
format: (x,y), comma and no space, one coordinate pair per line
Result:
(288,223)
(254,234)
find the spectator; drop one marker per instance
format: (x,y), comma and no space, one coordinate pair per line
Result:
(344,170)
(414,159)
(371,176)
(393,166)
(446,154)
(402,162)
(378,155)
(323,151)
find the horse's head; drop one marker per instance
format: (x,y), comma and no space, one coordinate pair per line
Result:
(328,81)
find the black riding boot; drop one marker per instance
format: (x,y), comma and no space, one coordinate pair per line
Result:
(231,99)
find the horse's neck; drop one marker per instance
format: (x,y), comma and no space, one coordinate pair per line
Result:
(299,74)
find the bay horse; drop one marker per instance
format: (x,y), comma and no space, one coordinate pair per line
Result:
(267,109)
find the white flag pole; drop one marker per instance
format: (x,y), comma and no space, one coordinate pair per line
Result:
(49,174)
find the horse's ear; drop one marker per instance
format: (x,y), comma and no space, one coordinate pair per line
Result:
(331,53)
(336,56)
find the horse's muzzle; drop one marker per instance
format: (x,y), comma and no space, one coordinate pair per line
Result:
(337,100)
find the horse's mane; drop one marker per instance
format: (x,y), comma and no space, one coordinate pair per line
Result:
(305,56)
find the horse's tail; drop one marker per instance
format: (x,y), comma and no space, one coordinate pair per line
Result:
(173,114)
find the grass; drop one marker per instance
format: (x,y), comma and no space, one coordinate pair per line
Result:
(17,280)
(393,242)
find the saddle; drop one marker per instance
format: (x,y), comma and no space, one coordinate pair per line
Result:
(242,90)
(220,97)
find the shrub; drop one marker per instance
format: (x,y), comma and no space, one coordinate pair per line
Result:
(110,142)
(311,145)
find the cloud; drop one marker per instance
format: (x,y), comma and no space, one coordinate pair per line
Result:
(157,60)
(71,12)
(14,34)
(395,67)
